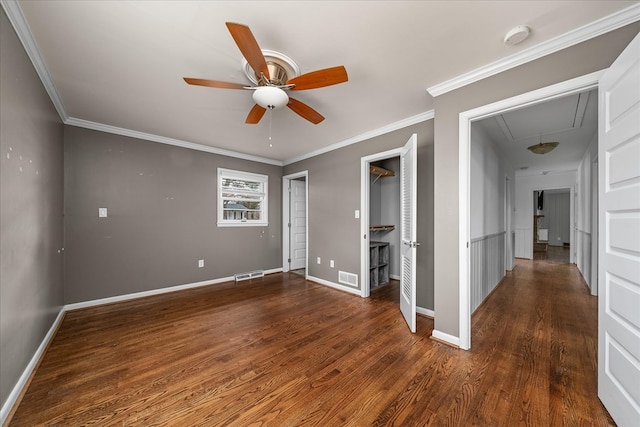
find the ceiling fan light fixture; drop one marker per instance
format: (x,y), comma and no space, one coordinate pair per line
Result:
(542,147)
(270,97)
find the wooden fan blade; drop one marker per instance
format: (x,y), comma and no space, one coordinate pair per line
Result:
(255,115)
(304,111)
(320,78)
(249,47)
(213,83)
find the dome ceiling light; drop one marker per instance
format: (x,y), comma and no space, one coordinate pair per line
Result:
(542,147)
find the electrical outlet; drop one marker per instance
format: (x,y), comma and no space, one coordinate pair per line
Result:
(319,261)
(332,264)
(200,263)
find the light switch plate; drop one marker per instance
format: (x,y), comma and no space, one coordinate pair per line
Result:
(102,212)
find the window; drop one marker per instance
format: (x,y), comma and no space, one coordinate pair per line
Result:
(242,198)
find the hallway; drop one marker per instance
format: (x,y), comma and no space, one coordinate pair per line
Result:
(542,322)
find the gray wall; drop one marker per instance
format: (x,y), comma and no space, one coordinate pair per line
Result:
(161,203)
(582,59)
(31,294)
(334,195)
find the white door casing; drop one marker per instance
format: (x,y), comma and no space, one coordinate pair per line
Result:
(619,242)
(298,221)
(408,202)
(577,85)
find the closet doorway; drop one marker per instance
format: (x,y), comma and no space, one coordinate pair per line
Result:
(384,220)
(406,211)
(295,222)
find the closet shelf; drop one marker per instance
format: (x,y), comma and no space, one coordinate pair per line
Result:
(380,172)
(382,227)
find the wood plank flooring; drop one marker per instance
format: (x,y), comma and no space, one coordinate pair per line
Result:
(281,351)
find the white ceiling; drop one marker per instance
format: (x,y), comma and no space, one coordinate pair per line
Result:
(572,121)
(119,65)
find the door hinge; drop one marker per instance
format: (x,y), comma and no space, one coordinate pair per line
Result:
(289,260)
(289,225)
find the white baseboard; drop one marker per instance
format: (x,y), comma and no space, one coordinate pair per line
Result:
(425,312)
(349,289)
(26,374)
(160,291)
(450,339)
(126,297)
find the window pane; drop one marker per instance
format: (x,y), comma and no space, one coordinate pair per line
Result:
(241,184)
(238,196)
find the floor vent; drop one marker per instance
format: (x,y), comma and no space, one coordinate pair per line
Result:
(249,275)
(348,278)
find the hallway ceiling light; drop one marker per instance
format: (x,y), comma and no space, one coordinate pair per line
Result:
(542,147)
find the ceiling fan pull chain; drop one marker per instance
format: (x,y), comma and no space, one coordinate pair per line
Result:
(270,116)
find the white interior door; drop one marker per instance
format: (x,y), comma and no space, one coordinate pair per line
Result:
(408,199)
(298,221)
(619,243)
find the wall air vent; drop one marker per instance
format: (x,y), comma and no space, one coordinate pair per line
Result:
(348,278)
(249,275)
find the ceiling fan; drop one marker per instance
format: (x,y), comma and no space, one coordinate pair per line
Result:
(274,74)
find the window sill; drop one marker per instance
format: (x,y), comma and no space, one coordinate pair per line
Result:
(243,224)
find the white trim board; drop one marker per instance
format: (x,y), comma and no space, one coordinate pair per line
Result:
(160,291)
(449,339)
(23,381)
(425,312)
(86,124)
(333,285)
(400,124)
(568,87)
(21,27)
(571,38)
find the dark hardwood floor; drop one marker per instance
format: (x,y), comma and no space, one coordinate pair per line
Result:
(281,351)
(553,254)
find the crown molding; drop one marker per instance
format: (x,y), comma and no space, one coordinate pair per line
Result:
(72,121)
(418,118)
(571,38)
(21,27)
(19,22)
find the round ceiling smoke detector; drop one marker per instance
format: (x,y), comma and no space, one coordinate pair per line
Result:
(517,35)
(281,68)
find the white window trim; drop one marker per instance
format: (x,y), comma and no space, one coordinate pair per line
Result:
(264,179)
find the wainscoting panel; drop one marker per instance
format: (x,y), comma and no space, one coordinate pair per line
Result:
(487,266)
(583,260)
